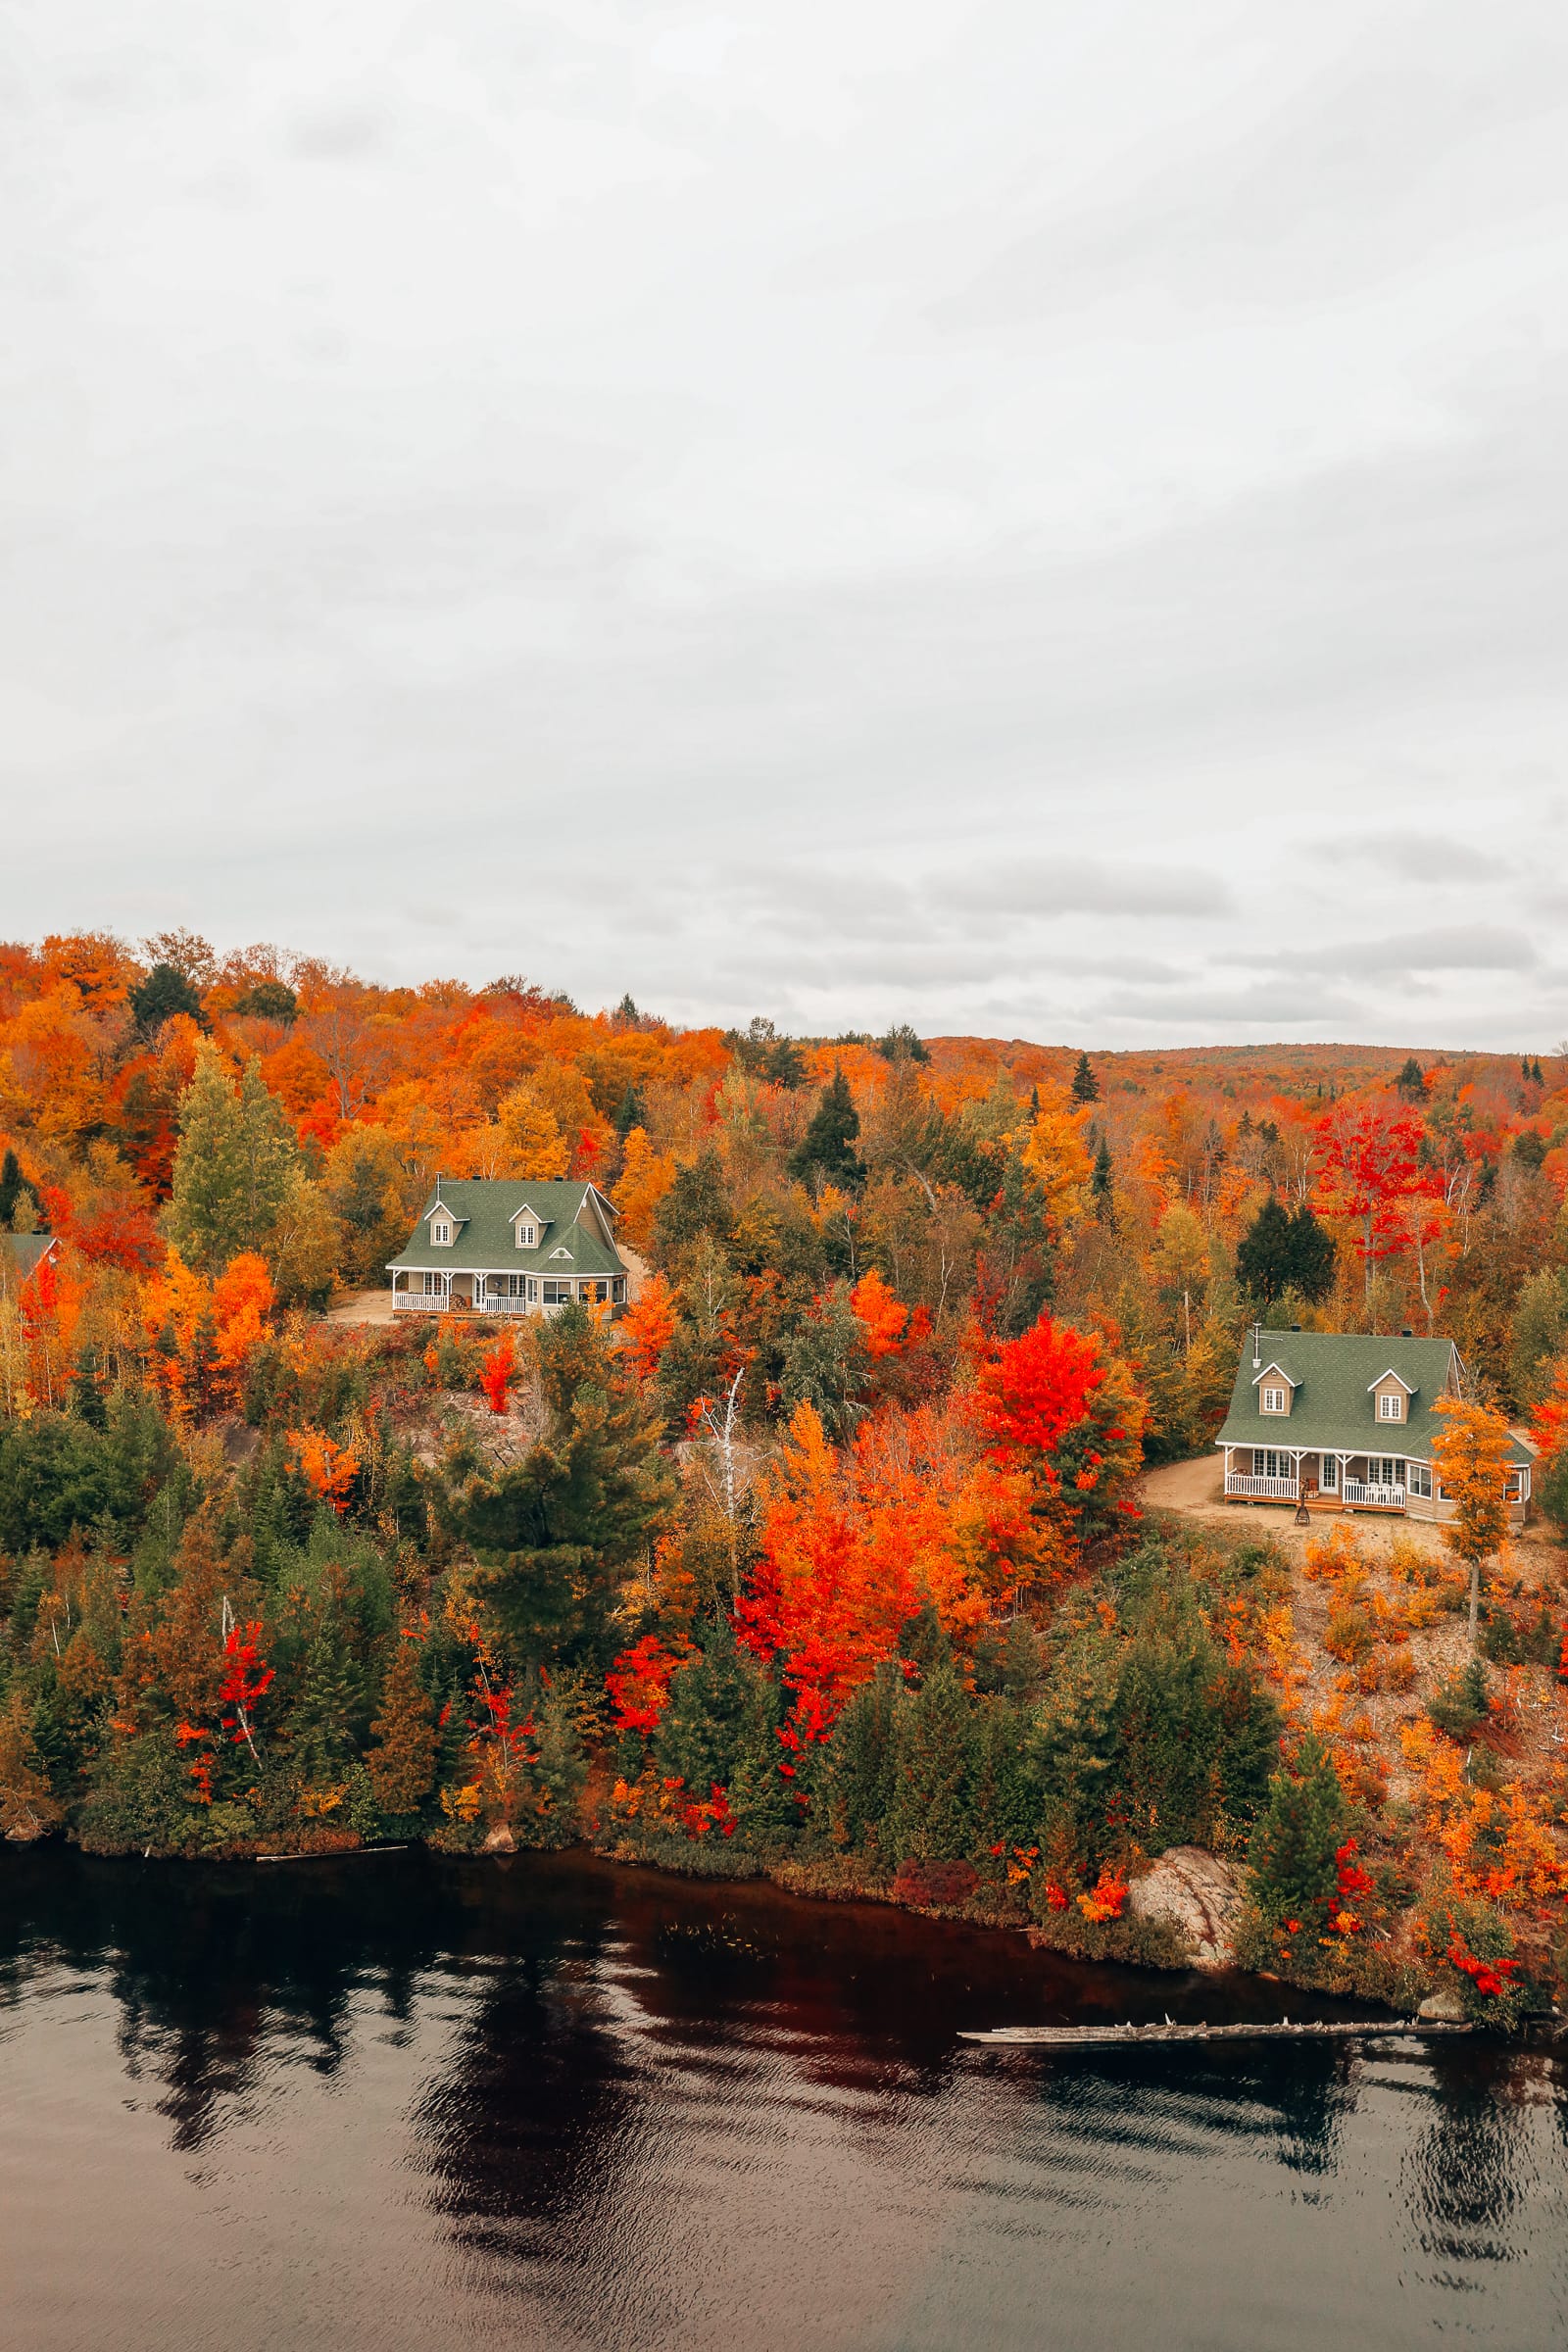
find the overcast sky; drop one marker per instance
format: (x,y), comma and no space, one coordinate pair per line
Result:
(1039,519)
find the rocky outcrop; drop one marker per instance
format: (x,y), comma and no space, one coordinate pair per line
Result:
(1196,1897)
(1443,2009)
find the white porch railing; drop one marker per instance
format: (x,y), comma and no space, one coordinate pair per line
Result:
(486,1305)
(1276,1490)
(1388,1499)
(420,1302)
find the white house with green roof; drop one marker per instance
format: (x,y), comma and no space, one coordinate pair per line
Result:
(492,1247)
(1346,1422)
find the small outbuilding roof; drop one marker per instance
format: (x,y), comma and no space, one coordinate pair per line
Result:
(22,1254)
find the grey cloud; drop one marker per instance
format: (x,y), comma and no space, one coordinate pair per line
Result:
(1076,886)
(756,627)
(339,133)
(1416,855)
(1463,947)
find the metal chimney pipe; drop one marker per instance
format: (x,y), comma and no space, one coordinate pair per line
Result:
(1258,1346)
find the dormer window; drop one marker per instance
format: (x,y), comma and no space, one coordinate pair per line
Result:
(441,1233)
(1390,1406)
(565,1253)
(527,1237)
(1275,1401)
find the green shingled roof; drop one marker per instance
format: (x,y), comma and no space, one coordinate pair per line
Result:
(484,1243)
(1333,1406)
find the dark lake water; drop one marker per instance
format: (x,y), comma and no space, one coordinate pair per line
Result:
(390,2103)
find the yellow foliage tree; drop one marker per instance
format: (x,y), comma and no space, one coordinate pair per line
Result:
(646,1176)
(1473,1458)
(1058,1157)
(524,1141)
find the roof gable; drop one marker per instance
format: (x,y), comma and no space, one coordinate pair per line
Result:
(484,1211)
(1334,1375)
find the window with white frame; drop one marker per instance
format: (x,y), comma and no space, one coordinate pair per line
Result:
(527,1237)
(1514,1491)
(1390,1406)
(440,1232)
(1269,1462)
(1383,1470)
(1275,1401)
(1418,1478)
(1329,1473)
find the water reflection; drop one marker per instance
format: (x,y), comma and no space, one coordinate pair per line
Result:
(629,2112)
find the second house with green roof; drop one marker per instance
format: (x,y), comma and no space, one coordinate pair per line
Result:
(1345,1421)
(500,1248)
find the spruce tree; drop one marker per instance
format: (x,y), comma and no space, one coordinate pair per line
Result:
(1085,1086)
(404,1738)
(1263,1266)
(858,1778)
(1411,1081)
(825,1153)
(1309,1256)
(629,1114)
(15,1188)
(1304,1823)
(237,1160)
(555,1533)
(703,1730)
(163,993)
(323,1718)
(1101,1186)
(929,1818)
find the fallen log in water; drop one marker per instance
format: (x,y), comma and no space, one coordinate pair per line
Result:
(1082,2037)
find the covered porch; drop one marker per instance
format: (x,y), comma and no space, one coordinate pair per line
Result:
(439,1293)
(1323,1480)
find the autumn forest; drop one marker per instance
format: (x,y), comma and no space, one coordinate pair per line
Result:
(841,1552)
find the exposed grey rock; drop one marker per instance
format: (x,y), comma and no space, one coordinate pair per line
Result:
(1442,2008)
(1196,1894)
(500,1840)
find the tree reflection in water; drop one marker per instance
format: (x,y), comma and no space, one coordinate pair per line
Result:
(629,2101)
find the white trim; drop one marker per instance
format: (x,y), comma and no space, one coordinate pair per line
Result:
(1280,1369)
(1411,1388)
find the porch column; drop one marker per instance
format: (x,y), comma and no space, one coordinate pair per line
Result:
(1229,1451)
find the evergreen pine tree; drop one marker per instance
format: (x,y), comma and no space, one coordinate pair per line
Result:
(404,1738)
(1264,1257)
(702,1732)
(1101,1186)
(1411,1081)
(1085,1086)
(555,1531)
(15,1188)
(236,1159)
(326,1709)
(825,1153)
(1309,1256)
(929,1817)
(695,1205)
(1304,1825)
(88,1395)
(1006,1800)
(784,1063)
(163,993)
(858,1778)
(629,1114)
